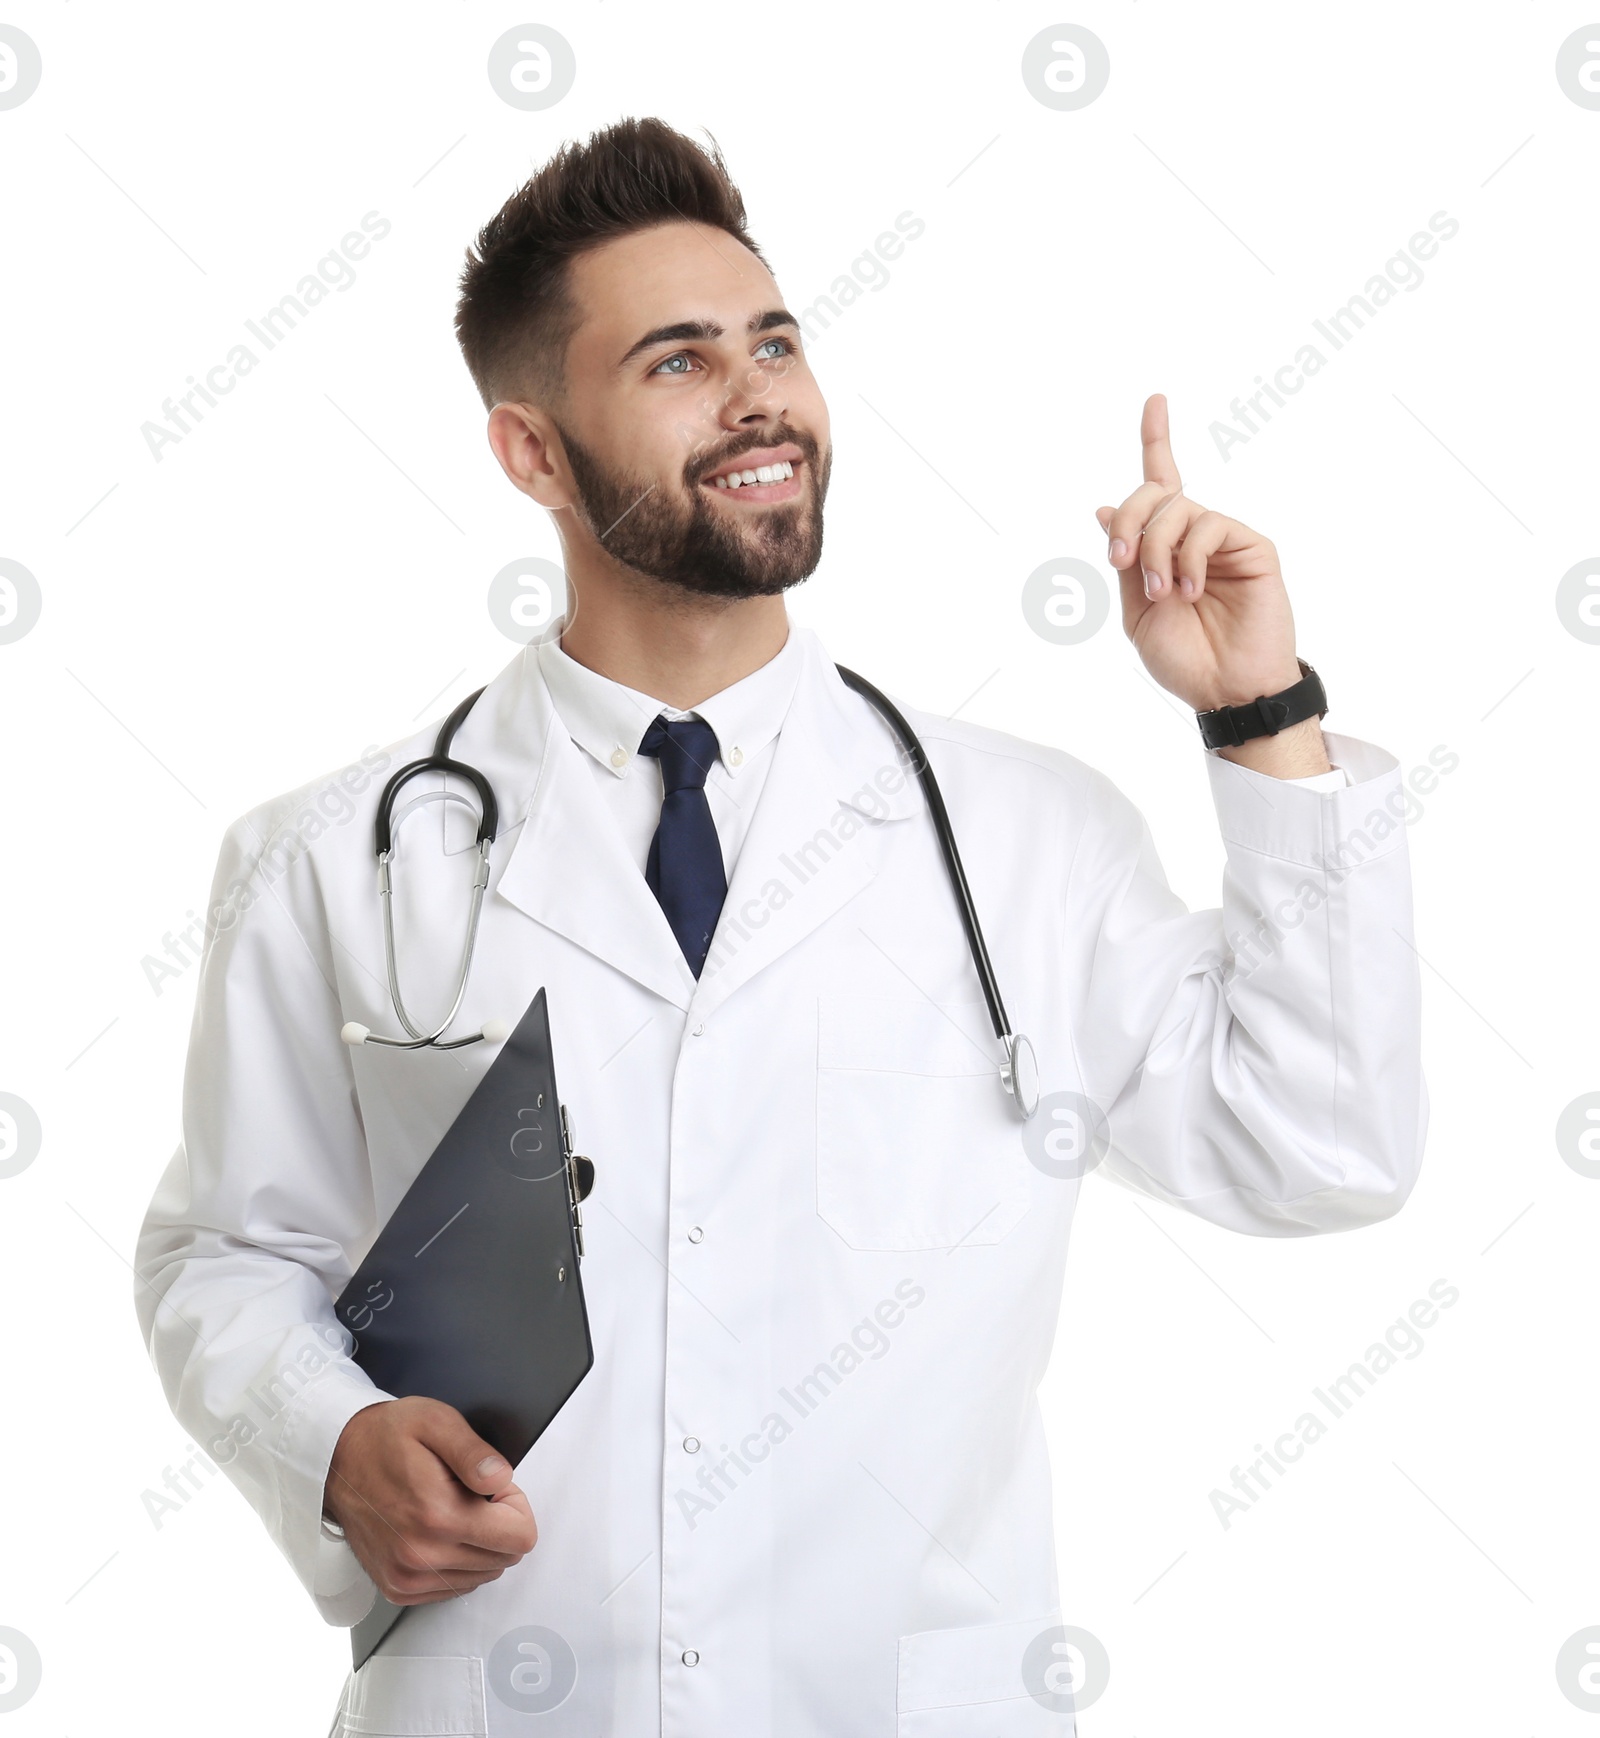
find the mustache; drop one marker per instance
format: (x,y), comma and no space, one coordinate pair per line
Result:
(782,434)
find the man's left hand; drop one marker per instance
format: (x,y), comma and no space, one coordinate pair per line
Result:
(1204,602)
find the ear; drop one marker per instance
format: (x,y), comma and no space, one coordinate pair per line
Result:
(528,446)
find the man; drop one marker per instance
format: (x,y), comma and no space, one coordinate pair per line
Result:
(804,1489)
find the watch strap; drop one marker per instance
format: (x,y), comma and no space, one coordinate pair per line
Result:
(1267,714)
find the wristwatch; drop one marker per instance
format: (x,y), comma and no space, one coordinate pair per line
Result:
(1267,714)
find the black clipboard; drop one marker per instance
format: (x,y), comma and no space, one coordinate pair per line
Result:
(471,1293)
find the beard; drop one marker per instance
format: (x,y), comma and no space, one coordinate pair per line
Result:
(718,552)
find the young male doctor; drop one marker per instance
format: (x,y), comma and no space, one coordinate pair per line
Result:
(804,1489)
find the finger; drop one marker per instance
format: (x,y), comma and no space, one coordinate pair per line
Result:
(1128,522)
(1116,549)
(414,1567)
(405,1589)
(1166,528)
(435,1598)
(1134,602)
(436,1560)
(1207,533)
(479,1466)
(504,1525)
(446,1552)
(460,1529)
(1155,436)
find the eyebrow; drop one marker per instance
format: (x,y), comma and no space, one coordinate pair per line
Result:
(683,330)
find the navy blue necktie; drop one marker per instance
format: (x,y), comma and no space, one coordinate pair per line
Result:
(685,867)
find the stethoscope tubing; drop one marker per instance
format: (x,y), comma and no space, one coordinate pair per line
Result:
(911,744)
(488,825)
(1013,1044)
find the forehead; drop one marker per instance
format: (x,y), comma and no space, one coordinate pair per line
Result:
(655,277)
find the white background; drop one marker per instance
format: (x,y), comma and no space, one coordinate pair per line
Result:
(305,573)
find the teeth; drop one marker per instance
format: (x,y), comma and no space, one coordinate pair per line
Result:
(778,473)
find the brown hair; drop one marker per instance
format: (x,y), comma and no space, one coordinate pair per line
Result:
(515,313)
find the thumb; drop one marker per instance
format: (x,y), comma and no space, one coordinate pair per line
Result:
(478,1465)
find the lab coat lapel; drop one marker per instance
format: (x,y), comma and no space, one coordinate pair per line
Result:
(571,871)
(814,840)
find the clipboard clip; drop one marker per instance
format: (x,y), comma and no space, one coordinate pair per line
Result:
(580,1180)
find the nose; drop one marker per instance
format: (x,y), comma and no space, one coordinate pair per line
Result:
(753,396)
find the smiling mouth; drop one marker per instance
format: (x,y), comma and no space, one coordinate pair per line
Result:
(754,485)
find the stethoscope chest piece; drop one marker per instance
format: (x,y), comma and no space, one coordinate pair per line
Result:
(1019,1073)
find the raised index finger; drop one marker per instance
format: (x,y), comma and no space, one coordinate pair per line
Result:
(1159,464)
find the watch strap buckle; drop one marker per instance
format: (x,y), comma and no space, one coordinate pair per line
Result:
(1267,714)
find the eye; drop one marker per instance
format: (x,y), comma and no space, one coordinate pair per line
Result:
(679,363)
(782,347)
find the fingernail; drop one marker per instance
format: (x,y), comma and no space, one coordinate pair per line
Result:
(1152,583)
(488,1467)
(1188,585)
(1119,552)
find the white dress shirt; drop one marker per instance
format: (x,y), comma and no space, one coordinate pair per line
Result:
(607,720)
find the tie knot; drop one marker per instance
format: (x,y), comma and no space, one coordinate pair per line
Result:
(686,747)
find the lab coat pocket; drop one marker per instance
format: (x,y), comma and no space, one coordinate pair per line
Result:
(411,1696)
(972,1683)
(918,1144)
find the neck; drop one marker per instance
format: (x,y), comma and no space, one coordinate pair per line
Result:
(675,647)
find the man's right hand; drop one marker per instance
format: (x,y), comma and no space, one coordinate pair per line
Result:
(407,1484)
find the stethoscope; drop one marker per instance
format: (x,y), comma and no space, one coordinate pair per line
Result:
(1019,1068)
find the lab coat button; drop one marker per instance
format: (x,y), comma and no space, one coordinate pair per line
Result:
(699,1030)
(692,1444)
(695,1234)
(690,1657)
(736,758)
(619,757)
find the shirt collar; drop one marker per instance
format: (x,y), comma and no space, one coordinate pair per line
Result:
(608,719)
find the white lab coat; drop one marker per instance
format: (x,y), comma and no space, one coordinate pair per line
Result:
(817,1247)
